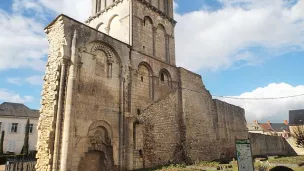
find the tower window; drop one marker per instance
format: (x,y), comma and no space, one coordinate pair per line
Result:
(162,77)
(98,5)
(138,112)
(166,7)
(142,79)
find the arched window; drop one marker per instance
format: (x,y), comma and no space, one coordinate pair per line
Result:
(147,37)
(116,29)
(98,5)
(166,6)
(165,77)
(162,45)
(144,83)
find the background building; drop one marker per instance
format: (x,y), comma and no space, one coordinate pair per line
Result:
(13,118)
(296,117)
(274,129)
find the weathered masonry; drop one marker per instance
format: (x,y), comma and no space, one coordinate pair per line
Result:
(113,98)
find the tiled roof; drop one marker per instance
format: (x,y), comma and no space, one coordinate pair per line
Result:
(279,127)
(17,110)
(266,127)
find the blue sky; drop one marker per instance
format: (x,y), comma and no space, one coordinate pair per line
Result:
(242,48)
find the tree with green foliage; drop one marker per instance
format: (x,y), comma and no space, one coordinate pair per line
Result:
(25,148)
(1,143)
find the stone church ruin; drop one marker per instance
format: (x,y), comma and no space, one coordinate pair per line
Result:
(114,99)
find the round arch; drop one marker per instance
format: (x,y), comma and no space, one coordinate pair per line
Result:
(147,66)
(162,27)
(99,25)
(101,123)
(107,49)
(111,19)
(148,19)
(148,79)
(165,76)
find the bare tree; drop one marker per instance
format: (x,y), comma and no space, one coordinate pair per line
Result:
(298,132)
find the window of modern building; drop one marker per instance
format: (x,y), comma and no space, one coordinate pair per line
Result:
(11,146)
(14,128)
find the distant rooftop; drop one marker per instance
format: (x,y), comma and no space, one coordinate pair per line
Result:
(280,127)
(17,110)
(268,127)
(254,127)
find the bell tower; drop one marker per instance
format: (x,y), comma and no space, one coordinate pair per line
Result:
(153,29)
(112,17)
(146,25)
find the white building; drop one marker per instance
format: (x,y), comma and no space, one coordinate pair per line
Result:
(13,118)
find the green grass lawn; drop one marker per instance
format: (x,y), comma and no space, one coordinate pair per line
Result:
(267,164)
(287,160)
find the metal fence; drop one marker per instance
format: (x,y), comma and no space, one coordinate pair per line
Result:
(21,163)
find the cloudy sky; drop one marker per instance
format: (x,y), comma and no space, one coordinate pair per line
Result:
(242,48)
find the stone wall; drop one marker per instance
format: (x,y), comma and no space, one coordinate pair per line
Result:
(199,117)
(161,132)
(48,111)
(266,145)
(231,125)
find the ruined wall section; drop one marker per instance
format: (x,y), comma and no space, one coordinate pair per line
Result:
(161,132)
(49,101)
(231,125)
(199,117)
(266,145)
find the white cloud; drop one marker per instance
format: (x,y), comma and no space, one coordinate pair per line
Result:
(21,6)
(9,96)
(16,81)
(78,9)
(275,110)
(32,80)
(35,80)
(205,39)
(216,39)
(22,39)
(23,43)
